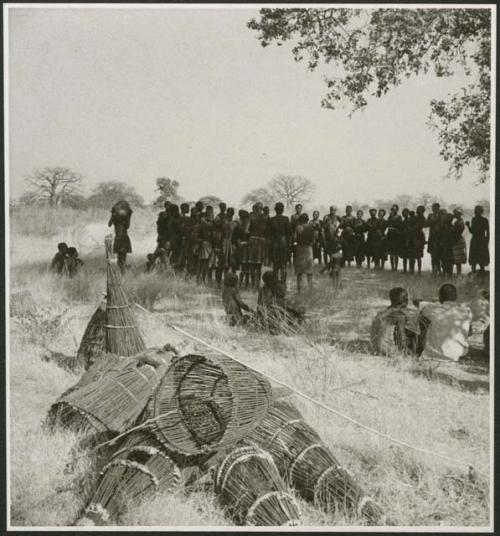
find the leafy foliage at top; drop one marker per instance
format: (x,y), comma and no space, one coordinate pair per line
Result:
(375,50)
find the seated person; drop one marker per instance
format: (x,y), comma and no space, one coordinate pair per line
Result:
(58,265)
(395,330)
(265,296)
(73,262)
(233,304)
(150,263)
(446,326)
(283,315)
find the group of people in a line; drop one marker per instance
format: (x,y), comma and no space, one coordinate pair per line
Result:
(66,261)
(430,330)
(199,242)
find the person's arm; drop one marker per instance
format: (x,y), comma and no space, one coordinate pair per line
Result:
(487,230)
(111,220)
(240,302)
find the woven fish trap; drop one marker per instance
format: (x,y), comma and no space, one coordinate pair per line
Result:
(249,486)
(93,343)
(138,470)
(122,335)
(307,465)
(205,403)
(21,303)
(111,403)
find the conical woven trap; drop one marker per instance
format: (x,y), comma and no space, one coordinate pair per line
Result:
(249,487)
(122,334)
(204,403)
(305,462)
(93,343)
(139,469)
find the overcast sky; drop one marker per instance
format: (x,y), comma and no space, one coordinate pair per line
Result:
(135,94)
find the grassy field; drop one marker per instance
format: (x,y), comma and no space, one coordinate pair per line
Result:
(328,361)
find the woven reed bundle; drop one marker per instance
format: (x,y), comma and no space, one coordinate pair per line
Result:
(249,486)
(21,303)
(305,462)
(93,343)
(204,403)
(122,334)
(137,470)
(112,403)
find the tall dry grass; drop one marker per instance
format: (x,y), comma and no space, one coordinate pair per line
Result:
(413,488)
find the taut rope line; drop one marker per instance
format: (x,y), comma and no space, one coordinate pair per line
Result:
(314,401)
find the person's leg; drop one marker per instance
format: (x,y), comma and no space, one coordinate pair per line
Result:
(412,266)
(121,260)
(258,273)
(368,260)
(405,265)
(419,266)
(396,263)
(473,268)
(459,269)
(299,283)
(247,275)
(310,282)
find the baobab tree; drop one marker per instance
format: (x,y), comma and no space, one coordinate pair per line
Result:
(54,185)
(291,189)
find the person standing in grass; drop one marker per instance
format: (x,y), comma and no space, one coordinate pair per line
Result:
(279,235)
(479,228)
(394,237)
(241,236)
(445,240)
(382,225)
(318,236)
(373,240)
(420,241)
(348,218)
(432,246)
(331,231)
(294,221)
(121,213)
(446,326)
(303,242)
(257,243)
(459,245)
(359,228)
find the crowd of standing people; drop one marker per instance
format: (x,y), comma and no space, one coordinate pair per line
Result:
(204,244)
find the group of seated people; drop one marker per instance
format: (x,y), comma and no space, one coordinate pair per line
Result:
(431,330)
(274,314)
(66,261)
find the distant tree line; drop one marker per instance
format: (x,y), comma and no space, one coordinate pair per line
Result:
(62,187)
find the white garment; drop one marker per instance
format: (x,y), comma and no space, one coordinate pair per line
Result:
(448,331)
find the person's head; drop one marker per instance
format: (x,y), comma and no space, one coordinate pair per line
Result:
(359,213)
(230,279)
(411,214)
(394,209)
(315,214)
(381,213)
(298,208)
(269,278)
(258,207)
(373,212)
(209,211)
(457,213)
(265,210)
(405,213)
(230,212)
(333,210)
(398,297)
(222,207)
(151,257)
(243,214)
(174,209)
(62,247)
(279,208)
(184,208)
(478,210)
(280,289)
(199,206)
(447,293)
(348,210)
(73,252)
(435,207)
(303,218)
(420,210)
(193,212)
(167,205)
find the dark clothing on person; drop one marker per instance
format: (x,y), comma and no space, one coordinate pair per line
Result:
(479,251)
(279,233)
(121,214)
(58,264)
(394,235)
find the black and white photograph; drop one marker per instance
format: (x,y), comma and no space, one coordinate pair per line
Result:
(249,266)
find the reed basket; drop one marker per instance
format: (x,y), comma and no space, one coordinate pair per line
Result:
(249,487)
(138,470)
(205,403)
(112,403)
(122,336)
(307,465)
